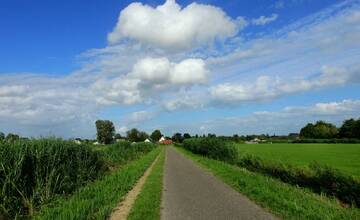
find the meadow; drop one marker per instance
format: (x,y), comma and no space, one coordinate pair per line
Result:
(344,157)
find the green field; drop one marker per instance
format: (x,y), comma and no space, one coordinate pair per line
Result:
(344,157)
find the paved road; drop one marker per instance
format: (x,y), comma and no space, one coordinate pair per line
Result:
(193,193)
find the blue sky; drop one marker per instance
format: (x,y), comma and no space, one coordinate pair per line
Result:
(223,67)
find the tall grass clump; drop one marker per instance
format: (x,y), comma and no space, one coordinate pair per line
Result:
(212,147)
(32,172)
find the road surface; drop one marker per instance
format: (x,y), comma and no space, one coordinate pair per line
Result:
(190,192)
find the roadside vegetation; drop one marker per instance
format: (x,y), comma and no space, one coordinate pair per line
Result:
(96,200)
(147,204)
(213,148)
(284,200)
(35,172)
(318,178)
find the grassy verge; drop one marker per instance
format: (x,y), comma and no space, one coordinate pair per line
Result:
(96,200)
(284,200)
(147,204)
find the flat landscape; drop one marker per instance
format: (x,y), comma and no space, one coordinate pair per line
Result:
(180,110)
(344,157)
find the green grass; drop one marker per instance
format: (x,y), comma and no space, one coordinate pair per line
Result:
(284,200)
(147,204)
(344,157)
(96,200)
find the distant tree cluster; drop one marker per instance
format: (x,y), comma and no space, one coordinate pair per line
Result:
(134,135)
(319,130)
(323,130)
(106,133)
(179,138)
(156,135)
(350,129)
(9,137)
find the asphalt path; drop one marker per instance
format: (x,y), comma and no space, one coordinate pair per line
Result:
(190,192)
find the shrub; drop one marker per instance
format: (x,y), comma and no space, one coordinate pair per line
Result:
(214,148)
(335,183)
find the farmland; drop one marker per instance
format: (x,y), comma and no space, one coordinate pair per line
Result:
(344,157)
(59,179)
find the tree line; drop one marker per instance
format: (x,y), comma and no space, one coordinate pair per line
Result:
(324,130)
(106,134)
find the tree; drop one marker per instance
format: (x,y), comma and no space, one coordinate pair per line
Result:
(307,131)
(133,135)
(156,135)
(177,137)
(117,136)
(211,135)
(105,131)
(187,136)
(350,129)
(2,136)
(142,136)
(12,137)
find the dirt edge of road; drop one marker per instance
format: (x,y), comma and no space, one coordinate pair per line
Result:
(122,211)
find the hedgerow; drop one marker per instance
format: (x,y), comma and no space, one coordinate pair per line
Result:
(328,141)
(212,147)
(319,178)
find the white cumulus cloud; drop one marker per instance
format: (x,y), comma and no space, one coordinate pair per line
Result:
(161,70)
(265,88)
(171,27)
(148,77)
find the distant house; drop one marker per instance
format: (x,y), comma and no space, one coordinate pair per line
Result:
(163,140)
(96,143)
(120,139)
(254,141)
(77,141)
(147,140)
